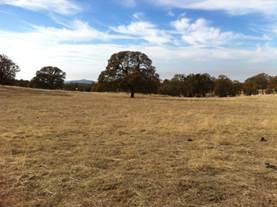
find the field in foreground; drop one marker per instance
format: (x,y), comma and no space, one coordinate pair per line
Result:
(67,149)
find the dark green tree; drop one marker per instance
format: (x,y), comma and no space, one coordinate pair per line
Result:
(129,71)
(49,78)
(199,85)
(179,84)
(193,85)
(85,87)
(8,70)
(237,88)
(166,88)
(223,86)
(21,83)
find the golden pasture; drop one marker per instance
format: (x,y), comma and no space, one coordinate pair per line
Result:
(71,149)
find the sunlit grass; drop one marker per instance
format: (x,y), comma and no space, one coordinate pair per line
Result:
(88,149)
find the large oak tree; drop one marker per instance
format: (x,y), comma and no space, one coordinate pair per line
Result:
(8,70)
(49,78)
(131,72)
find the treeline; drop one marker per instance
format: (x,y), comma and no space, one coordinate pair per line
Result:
(193,85)
(204,85)
(198,85)
(68,86)
(201,85)
(133,72)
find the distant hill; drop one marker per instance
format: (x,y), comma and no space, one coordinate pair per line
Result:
(83,81)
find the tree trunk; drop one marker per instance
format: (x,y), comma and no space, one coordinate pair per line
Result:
(132,93)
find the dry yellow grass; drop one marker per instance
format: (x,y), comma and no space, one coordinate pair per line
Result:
(70,149)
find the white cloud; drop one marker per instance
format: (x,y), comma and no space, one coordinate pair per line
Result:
(231,6)
(138,15)
(70,48)
(144,30)
(77,31)
(64,7)
(33,50)
(201,33)
(184,32)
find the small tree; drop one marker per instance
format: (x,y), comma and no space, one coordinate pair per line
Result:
(49,78)
(129,71)
(8,70)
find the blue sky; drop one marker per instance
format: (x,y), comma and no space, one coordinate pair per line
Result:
(232,37)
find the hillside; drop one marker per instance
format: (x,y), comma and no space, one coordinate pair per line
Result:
(83,81)
(89,149)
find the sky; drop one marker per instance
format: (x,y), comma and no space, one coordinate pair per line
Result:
(237,38)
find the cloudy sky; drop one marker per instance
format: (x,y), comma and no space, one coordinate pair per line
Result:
(233,37)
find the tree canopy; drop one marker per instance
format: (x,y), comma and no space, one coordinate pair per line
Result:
(255,83)
(129,71)
(198,85)
(223,86)
(49,78)
(8,70)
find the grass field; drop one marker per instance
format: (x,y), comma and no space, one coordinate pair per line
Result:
(70,149)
